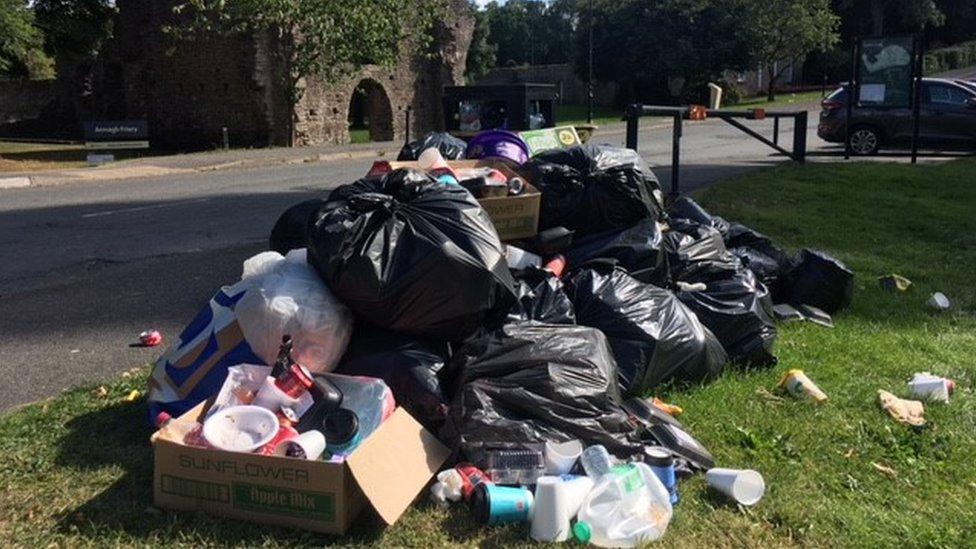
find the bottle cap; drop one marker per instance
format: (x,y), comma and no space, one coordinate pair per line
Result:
(162,418)
(582,532)
(657,456)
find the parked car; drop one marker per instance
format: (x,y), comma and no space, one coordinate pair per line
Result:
(947,119)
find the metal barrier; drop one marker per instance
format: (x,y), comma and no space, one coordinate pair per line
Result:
(636,111)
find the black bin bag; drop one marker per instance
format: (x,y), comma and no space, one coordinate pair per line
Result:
(413,255)
(770,263)
(686,208)
(409,365)
(592,189)
(654,337)
(530,383)
(639,249)
(541,298)
(450,147)
(739,311)
(697,253)
(290,232)
(822,281)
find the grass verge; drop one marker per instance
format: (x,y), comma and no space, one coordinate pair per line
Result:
(22,157)
(782,101)
(76,469)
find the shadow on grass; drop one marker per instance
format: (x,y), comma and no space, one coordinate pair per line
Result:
(118,436)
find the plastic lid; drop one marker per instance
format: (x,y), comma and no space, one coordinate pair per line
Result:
(658,456)
(582,532)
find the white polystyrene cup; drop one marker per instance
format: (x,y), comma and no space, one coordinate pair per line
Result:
(939,301)
(745,486)
(562,456)
(550,514)
(312,444)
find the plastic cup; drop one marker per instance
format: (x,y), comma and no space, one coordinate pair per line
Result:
(939,302)
(241,428)
(557,500)
(309,445)
(745,486)
(562,456)
(493,504)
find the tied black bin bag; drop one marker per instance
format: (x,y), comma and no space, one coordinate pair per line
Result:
(822,281)
(739,311)
(697,253)
(531,383)
(413,255)
(653,336)
(591,189)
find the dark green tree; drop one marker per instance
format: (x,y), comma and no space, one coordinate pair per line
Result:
(21,43)
(662,50)
(783,32)
(529,32)
(482,54)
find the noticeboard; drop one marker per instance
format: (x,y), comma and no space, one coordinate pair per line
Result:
(116,134)
(885,71)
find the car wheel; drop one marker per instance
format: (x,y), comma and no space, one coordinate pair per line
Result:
(865,141)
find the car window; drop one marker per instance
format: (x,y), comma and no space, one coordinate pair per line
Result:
(941,94)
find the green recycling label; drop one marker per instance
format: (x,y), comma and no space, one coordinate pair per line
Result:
(284,501)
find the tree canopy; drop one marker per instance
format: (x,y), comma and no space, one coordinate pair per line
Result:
(21,43)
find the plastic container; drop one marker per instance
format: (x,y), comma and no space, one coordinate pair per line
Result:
(557,500)
(498,144)
(627,507)
(289,390)
(596,461)
(662,463)
(342,433)
(515,467)
(744,486)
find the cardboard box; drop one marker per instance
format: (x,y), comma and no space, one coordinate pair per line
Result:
(388,471)
(514,217)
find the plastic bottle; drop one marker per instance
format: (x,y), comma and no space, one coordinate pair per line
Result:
(627,507)
(596,461)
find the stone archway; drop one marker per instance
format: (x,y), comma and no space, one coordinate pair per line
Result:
(370,112)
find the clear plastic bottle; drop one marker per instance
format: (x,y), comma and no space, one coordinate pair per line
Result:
(596,461)
(627,507)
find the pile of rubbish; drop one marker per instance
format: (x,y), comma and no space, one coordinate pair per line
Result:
(530,359)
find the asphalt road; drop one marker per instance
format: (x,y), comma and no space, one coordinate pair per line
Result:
(88,266)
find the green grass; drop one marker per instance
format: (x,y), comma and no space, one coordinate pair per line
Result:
(573,115)
(783,101)
(359,135)
(76,470)
(19,156)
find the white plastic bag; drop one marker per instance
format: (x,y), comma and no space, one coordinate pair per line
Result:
(287,297)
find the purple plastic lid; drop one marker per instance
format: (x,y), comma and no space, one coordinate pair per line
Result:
(498,144)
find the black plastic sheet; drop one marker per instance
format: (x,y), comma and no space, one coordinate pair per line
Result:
(822,281)
(686,208)
(592,189)
(413,255)
(450,147)
(739,311)
(409,366)
(654,337)
(532,383)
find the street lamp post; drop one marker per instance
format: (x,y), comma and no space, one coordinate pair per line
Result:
(589,78)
